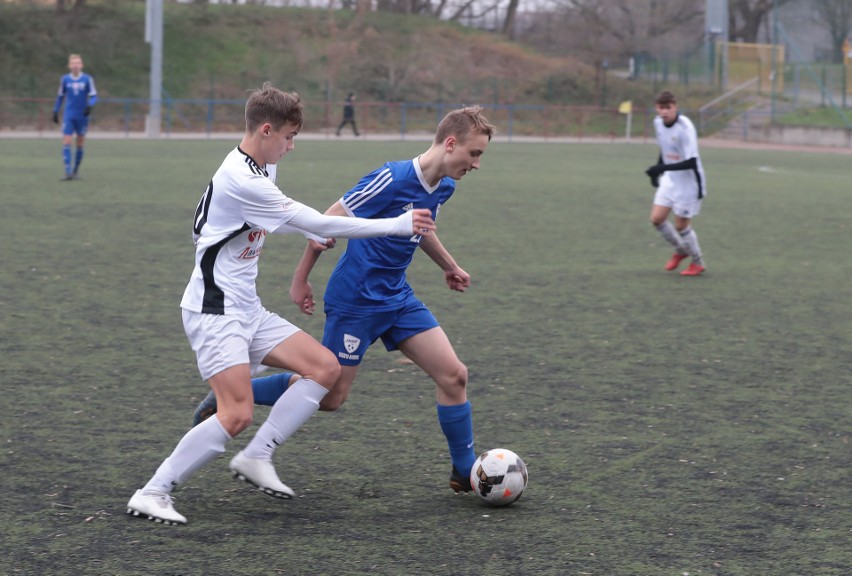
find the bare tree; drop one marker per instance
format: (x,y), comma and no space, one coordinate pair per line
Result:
(745,17)
(509,20)
(836,17)
(614,29)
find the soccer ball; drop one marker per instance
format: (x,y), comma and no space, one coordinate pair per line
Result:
(499,476)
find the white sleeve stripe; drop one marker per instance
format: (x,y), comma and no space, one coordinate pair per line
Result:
(379,183)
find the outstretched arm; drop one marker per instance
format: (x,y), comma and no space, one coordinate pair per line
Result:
(306,219)
(457,279)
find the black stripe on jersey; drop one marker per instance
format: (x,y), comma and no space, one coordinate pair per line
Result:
(202,210)
(214,298)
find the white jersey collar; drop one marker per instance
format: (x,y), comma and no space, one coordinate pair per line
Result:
(420,177)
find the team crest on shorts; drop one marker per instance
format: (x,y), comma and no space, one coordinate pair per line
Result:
(351,343)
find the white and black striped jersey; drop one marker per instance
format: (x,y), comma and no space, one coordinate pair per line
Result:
(237,210)
(679,142)
(240,205)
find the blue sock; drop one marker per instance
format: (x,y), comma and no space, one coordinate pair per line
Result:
(270,388)
(457,425)
(78,159)
(66,157)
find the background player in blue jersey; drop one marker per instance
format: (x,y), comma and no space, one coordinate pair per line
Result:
(368,296)
(78,91)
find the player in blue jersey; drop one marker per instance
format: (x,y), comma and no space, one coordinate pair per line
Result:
(78,91)
(368,296)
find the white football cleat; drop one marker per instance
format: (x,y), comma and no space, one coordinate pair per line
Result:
(155,506)
(260,473)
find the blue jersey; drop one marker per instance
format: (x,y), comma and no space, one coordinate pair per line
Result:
(370,275)
(80,93)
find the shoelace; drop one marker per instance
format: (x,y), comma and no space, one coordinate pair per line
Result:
(162,499)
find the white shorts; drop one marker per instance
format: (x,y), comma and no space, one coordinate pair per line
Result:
(684,202)
(220,341)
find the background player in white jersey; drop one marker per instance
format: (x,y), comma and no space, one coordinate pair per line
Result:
(679,179)
(228,328)
(368,296)
(78,91)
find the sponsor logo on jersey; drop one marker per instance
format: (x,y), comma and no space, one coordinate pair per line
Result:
(408,207)
(255,237)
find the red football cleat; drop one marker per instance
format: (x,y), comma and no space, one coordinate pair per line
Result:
(693,270)
(675,261)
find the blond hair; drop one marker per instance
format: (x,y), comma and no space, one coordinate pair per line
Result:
(463,122)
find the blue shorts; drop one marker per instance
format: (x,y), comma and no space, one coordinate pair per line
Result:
(348,335)
(75,125)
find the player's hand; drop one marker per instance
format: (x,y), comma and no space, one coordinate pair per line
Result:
(322,247)
(56,117)
(655,170)
(457,279)
(421,220)
(302,295)
(655,181)
(87,111)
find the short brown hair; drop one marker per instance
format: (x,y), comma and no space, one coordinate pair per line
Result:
(665,98)
(269,104)
(462,122)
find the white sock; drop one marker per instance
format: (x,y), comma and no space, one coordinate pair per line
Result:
(669,233)
(289,412)
(690,241)
(199,446)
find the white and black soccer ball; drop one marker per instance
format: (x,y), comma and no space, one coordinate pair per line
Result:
(499,476)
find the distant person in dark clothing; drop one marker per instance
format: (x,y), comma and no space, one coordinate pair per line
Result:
(349,114)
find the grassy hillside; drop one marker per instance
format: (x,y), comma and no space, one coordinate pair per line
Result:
(219,51)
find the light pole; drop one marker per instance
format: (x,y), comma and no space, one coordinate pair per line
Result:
(154,37)
(774,59)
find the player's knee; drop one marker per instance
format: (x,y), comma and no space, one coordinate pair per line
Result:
(456,380)
(332,401)
(236,420)
(326,372)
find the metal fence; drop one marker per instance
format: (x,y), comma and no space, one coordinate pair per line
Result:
(208,116)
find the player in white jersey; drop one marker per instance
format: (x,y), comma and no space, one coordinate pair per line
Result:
(679,179)
(228,328)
